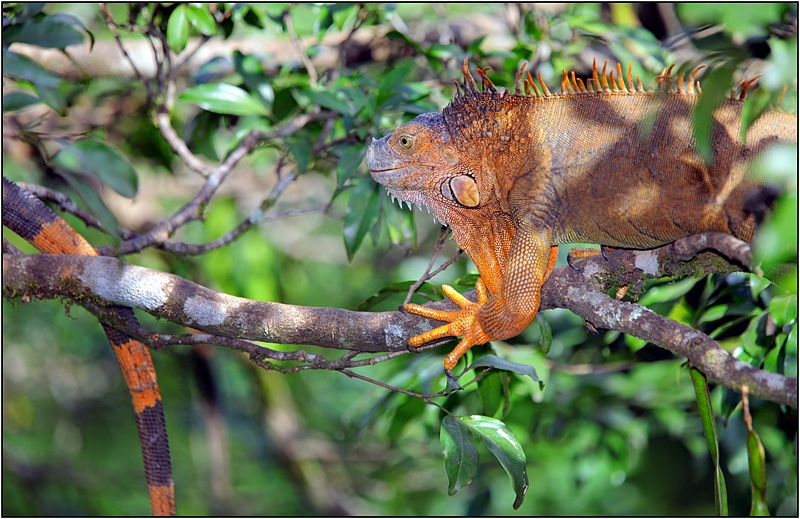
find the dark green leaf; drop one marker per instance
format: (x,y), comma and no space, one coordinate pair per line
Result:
(95,158)
(223,98)
(99,160)
(18,101)
(490,391)
(362,212)
(47,32)
(395,77)
(501,441)
(783,310)
(201,20)
(254,77)
(301,151)
(460,455)
(48,86)
(493,361)
(351,158)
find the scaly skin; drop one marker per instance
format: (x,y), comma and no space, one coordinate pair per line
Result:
(606,162)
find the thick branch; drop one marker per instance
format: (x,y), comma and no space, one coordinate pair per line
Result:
(103,280)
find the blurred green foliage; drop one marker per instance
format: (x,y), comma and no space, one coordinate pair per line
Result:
(614,430)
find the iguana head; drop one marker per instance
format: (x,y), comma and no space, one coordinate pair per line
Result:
(456,163)
(420,164)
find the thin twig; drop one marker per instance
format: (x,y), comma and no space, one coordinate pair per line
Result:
(65,203)
(443,233)
(301,52)
(113,26)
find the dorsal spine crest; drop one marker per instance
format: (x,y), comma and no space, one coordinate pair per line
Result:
(612,81)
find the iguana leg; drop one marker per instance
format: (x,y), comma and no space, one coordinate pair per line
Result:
(461,321)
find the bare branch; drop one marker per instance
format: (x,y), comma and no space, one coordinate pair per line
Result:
(193,210)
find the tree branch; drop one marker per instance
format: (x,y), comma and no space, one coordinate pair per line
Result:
(103,281)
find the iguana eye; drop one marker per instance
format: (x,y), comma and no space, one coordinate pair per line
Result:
(464,189)
(406,141)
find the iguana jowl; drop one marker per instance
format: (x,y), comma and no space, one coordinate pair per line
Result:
(606,162)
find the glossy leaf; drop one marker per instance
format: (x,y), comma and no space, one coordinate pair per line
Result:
(178,29)
(201,19)
(98,159)
(223,98)
(501,441)
(460,455)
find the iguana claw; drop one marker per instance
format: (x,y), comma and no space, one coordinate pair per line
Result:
(462,322)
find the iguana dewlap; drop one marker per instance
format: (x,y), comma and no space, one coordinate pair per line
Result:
(514,175)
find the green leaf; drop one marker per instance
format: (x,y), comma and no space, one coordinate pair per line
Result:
(254,77)
(223,98)
(301,151)
(98,159)
(48,32)
(48,86)
(332,99)
(93,202)
(545,331)
(395,77)
(18,100)
(351,158)
(492,395)
(178,29)
(460,455)
(501,441)
(758,474)
(710,430)
(362,213)
(783,310)
(201,20)
(493,361)
(393,290)
(400,223)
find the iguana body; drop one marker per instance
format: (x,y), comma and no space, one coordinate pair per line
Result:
(515,175)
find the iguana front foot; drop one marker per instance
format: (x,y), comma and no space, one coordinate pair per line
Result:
(463,323)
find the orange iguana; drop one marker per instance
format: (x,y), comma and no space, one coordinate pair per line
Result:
(606,162)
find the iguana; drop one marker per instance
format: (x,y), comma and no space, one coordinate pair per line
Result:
(516,174)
